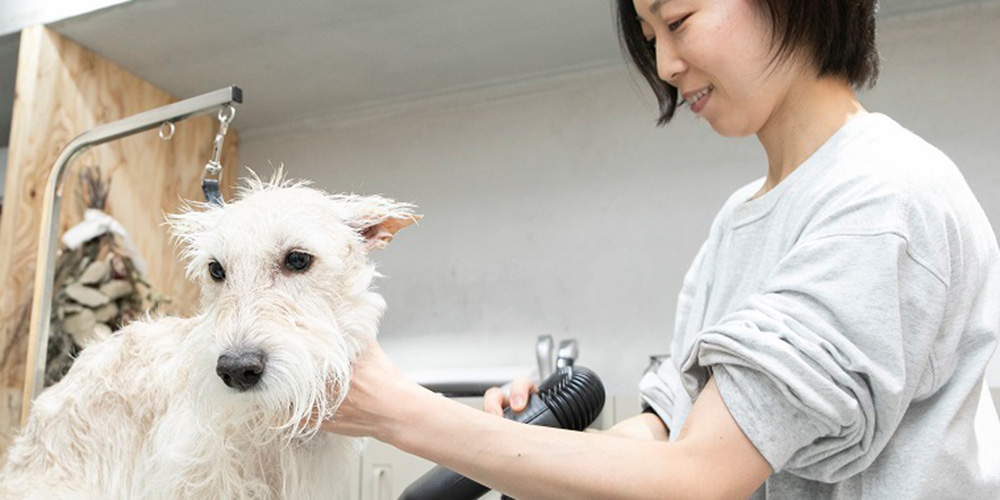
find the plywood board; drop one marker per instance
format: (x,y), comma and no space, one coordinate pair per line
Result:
(63,90)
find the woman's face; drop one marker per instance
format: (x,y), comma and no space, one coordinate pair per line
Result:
(718,53)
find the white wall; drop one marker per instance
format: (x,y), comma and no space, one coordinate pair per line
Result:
(557,208)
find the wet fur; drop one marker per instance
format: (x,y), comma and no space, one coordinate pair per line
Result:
(144,415)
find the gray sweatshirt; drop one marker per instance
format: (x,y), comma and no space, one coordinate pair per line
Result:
(848,316)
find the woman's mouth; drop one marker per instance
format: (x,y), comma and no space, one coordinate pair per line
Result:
(700,98)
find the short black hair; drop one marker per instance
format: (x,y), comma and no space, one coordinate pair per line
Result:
(839,36)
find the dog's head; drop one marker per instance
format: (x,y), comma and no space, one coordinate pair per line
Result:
(286,303)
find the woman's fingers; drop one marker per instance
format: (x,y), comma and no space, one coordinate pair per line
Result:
(375,389)
(494,401)
(520,390)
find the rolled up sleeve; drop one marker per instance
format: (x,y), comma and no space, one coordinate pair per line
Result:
(819,367)
(662,391)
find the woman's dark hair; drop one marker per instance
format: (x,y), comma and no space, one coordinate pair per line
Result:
(839,35)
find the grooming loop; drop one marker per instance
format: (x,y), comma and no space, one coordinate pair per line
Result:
(212,178)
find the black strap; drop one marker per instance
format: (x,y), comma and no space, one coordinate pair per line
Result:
(210,187)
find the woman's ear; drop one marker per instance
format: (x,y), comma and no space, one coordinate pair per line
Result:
(376,218)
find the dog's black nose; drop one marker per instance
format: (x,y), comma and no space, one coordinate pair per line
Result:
(241,370)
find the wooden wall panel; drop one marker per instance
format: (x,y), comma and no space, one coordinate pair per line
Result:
(62,90)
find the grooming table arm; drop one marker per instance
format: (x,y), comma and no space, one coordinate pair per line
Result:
(41,306)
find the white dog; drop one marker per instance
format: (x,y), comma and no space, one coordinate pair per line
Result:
(226,404)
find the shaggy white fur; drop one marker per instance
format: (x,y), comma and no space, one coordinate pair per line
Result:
(144,414)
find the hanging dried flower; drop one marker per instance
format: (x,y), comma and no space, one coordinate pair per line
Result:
(99,287)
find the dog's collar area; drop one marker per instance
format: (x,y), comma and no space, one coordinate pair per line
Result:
(210,188)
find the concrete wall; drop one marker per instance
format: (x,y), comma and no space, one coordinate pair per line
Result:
(556,207)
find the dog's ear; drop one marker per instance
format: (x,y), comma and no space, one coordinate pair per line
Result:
(377,219)
(379,235)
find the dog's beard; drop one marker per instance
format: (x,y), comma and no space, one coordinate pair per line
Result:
(303,383)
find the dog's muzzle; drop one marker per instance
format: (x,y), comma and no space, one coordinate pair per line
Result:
(241,369)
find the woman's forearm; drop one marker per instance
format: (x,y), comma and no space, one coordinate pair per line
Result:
(711,457)
(645,426)
(530,462)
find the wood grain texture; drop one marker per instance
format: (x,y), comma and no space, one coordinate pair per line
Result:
(63,90)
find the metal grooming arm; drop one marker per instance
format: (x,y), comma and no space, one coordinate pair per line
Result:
(41,306)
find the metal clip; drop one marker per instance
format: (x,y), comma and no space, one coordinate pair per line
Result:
(211,180)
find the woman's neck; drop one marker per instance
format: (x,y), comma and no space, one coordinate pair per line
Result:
(810,113)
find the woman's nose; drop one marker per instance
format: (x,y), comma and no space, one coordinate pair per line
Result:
(669,64)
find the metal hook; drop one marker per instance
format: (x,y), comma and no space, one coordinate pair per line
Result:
(222,114)
(166,136)
(212,178)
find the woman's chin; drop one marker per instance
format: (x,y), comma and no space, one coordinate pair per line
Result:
(730,128)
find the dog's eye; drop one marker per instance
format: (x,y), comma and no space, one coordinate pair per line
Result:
(298,261)
(216,271)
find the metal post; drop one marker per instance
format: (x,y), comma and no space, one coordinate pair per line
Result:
(41,305)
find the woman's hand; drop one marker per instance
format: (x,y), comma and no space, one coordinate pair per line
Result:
(378,399)
(643,426)
(494,400)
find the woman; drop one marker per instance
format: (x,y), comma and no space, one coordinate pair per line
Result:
(832,332)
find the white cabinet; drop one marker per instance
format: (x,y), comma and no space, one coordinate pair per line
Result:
(386,472)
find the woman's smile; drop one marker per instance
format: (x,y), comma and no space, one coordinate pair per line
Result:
(698,100)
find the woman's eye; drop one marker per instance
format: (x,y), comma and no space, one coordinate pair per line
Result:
(298,261)
(216,271)
(674,26)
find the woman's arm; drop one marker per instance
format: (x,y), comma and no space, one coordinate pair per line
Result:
(645,426)
(711,459)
